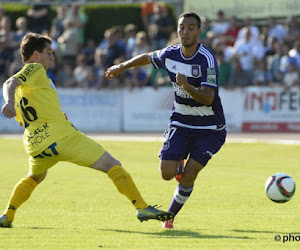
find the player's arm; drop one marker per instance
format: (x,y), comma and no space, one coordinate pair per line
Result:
(203,94)
(136,61)
(9,87)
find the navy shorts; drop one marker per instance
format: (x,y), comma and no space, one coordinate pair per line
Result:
(200,146)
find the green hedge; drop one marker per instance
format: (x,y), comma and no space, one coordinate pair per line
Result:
(103,17)
(100,17)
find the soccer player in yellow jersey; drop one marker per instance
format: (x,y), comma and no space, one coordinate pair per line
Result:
(49,137)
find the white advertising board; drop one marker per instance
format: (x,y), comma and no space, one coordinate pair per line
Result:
(147,109)
(92,111)
(251,109)
(232,102)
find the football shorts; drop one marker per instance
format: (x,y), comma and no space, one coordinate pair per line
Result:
(179,143)
(75,148)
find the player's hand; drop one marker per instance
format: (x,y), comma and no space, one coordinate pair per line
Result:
(113,71)
(181,79)
(8,110)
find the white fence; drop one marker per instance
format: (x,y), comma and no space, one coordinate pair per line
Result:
(251,109)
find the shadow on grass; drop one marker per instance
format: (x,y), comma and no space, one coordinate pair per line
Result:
(180,233)
(262,231)
(41,228)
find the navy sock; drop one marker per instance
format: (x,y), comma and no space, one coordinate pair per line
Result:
(180,196)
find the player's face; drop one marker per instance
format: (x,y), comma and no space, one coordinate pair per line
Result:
(188,31)
(46,56)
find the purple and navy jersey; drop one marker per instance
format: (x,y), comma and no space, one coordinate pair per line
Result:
(201,70)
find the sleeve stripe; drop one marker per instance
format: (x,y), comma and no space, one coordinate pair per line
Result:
(209,57)
(153,62)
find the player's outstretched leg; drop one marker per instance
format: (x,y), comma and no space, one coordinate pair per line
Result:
(126,186)
(180,196)
(4,221)
(152,213)
(20,194)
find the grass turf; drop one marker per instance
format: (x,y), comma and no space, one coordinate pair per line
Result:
(78,208)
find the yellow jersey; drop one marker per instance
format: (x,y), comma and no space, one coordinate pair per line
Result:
(38,109)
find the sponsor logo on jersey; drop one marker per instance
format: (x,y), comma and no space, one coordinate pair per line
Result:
(211,79)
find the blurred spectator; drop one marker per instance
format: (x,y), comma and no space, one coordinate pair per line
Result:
(39,17)
(230,35)
(21,24)
(295,52)
(92,79)
(248,51)
(225,69)
(205,28)
(174,39)
(276,30)
(136,77)
(293,30)
(141,46)
(239,77)
(262,76)
(65,77)
(89,51)
(82,71)
(147,12)
(268,44)
(291,77)
(253,29)
(221,47)
(158,78)
(219,27)
(6,33)
(277,64)
(130,31)
(79,20)
(117,32)
(6,46)
(57,27)
(68,42)
(160,26)
(5,59)
(99,70)
(112,49)
(16,64)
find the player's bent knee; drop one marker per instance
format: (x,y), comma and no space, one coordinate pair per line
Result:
(38,178)
(167,173)
(105,163)
(167,177)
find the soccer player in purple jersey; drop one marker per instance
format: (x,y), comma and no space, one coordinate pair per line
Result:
(197,127)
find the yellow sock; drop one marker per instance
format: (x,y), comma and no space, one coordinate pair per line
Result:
(20,194)
(126,186)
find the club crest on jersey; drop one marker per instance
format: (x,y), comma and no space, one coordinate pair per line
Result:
(196,70)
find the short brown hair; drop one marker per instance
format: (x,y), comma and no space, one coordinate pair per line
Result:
(193,15)
(32,42)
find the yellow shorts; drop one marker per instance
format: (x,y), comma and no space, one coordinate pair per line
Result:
(76,148)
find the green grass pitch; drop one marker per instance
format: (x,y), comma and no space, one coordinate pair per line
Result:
(78,208)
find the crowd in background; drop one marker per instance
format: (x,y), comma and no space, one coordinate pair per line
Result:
(246,54)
